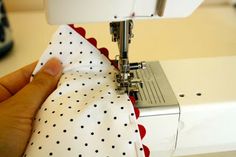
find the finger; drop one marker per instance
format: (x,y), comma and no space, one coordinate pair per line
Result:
(30,98)
(12,83)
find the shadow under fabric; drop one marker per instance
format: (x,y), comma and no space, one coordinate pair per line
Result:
(84,116)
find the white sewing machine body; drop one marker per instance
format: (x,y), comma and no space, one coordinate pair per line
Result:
(202,120)
(187,106)
(78,11)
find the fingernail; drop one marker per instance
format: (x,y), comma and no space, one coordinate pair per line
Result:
(53,67)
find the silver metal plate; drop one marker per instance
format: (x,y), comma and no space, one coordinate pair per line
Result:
(156,97)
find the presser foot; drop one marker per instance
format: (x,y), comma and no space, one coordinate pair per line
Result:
(127,82)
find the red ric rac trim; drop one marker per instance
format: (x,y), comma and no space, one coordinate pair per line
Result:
(142,130)
(93,41)
(105,52)
(137,112)
(132,99)
(146,151)
(79,30)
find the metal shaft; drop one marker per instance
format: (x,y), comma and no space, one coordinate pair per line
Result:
(123,47)
(122,33)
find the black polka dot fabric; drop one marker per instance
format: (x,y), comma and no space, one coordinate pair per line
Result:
(84,116)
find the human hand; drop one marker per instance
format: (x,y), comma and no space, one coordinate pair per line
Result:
(19,102)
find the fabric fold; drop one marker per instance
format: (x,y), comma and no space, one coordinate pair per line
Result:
(85,116)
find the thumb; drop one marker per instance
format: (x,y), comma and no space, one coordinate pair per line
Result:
(30,98)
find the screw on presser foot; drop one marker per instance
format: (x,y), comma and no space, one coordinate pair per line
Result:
(122,34)
(130,84)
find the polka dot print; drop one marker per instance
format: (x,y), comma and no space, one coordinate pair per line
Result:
(84,116)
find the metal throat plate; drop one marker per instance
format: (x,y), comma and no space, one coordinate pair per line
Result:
(156,97)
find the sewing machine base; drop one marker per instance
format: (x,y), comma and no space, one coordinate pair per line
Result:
(189,106)
(156,91)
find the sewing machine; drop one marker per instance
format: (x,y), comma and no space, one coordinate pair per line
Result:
(187,106)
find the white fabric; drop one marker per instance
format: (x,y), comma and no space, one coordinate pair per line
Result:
(84,116)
